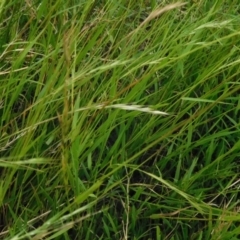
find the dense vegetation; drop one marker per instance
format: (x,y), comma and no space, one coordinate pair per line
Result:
(119,119)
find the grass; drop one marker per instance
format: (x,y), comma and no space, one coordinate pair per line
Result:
(119,120)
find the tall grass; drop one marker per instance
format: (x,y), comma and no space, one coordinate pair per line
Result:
(119,119)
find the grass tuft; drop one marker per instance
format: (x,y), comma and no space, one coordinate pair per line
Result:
(119,119)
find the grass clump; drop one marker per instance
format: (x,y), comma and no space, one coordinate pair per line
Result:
(119,120)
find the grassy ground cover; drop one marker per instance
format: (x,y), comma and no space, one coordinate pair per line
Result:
(119,119)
